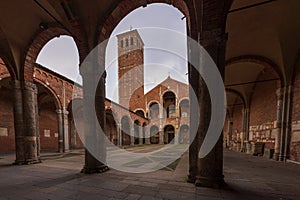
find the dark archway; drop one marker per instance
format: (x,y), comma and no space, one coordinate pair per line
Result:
(111,127)
(136,132)
(49,118)
(154,133)
(140,113)
(184,108)
(125,129)
(169,134)
(184,134)
(154,111)
(169,104)
(144,132)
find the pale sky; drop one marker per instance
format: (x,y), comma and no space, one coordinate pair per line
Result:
(60,54)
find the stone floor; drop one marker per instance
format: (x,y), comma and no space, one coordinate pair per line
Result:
(58,177)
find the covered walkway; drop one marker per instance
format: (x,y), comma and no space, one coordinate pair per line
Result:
(58,177)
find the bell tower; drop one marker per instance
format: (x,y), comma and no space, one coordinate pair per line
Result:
(130,67)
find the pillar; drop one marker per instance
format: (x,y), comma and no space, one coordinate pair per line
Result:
(132,136)
(73,135)
(245,130)
(161,136)
(119,135)
(18,121)
(140,135)
(93,104)
(26,113)
(279,94)
(147,139)
(65,118)
(286,125)
(229,130)
(60,131)
(210,168)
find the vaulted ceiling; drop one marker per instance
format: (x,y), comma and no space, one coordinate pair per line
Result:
(267,31)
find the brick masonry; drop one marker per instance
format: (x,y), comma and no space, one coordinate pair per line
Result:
(295,137)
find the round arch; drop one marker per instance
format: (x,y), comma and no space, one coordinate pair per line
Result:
(57,101)
(261,60)
(169,104)
(41,39)
(154,134)
(126,6)
(169,134)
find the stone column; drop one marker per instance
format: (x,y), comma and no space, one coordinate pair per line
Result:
(193,136)
(73,136)
(147,139)
(140,135)
(119,135)
(245,130)
(161,136)
(60,131)
(18,121)
(229,129)
(27,139)
(285,124)
(210,168)
(288,124)
(93,76)
(65,118)
(279,93)
(132,136)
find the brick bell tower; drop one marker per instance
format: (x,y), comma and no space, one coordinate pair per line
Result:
(131,67)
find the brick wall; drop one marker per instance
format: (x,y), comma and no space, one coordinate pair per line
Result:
(237,123)
(295,135)
(263,109)
(7,135)
(48,125)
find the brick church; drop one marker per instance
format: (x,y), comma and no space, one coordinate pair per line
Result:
(165,107)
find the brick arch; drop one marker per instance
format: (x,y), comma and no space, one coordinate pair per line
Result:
(261,60)
(9,67)
(126,6)
(57,101)
(168,90)
(151,102)
(114,114)
(182,99)
(41,39)
(237,93)
(140,109)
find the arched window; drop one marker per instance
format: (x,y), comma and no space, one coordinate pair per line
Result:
(122,43)
(126,42)
(131,41)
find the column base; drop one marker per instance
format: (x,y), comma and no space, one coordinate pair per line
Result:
(27,162)
(276,156)
(217,182)
(100,169)
(191,179)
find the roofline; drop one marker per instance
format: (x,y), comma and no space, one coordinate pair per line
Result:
(57,74)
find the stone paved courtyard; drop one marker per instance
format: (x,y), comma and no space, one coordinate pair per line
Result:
(58,177)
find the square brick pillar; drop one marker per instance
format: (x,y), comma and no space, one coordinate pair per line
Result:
(210,168)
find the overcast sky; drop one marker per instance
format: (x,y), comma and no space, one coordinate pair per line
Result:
(60,54)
